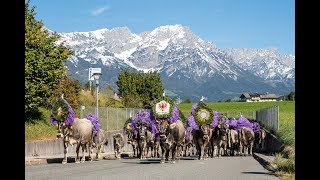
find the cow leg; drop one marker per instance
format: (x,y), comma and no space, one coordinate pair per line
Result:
(173,153)
(77,151)
(251,145)
(83,147)
(163,152)
(64,161)
(98,149)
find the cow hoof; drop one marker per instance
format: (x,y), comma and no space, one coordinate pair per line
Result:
(64,162)
(161,162)
(173,162)
(77,162)
(81,161)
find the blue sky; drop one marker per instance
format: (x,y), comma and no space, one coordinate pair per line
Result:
(226,23)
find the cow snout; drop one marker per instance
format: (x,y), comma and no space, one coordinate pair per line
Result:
(59,135)
(162,136)
(206,137)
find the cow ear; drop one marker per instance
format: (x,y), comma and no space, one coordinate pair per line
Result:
(219,126)
(227,125)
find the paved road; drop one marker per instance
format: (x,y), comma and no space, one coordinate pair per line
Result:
(245,168)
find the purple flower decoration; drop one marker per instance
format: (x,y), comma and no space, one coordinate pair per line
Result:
(243,122)
(144,115)
(193,108)
(215,120)
(124,131)
(232,123)
(192,123)
(175,115)
(95,121)
(255,126)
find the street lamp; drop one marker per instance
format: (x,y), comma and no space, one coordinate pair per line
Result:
(96,78)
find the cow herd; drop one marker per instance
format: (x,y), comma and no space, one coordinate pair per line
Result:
(175,140)
(162,133)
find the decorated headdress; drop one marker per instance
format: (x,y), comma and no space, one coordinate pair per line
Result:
(127,125)
(164,109)
(62,112)
(144,116)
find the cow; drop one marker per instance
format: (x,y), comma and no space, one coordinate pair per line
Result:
(188,145)
(150,143)
(202,139)
(220,139)
(233,142)
(132,139)
(260,139)
(156,147)
(246,140)
(99,139)
(81,135)
(118,143)
(142,138)
(171,139)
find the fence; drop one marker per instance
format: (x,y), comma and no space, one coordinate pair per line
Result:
(114,118)
(111,118)
(269,118)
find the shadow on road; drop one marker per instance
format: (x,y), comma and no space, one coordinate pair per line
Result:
(267,173)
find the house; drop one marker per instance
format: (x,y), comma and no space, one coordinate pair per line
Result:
(257,97)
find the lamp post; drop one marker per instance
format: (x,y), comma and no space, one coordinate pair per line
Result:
(96,78)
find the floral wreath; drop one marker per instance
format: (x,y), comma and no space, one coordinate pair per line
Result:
(127,126)
(201,114)
(62,112)
(163,108)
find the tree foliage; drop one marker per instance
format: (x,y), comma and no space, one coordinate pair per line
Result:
(71,90)
(138,89)
(44,62)
(291,96)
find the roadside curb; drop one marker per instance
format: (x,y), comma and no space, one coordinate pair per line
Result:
(266,161)
(71,158)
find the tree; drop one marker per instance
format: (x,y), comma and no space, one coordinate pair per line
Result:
(291,96)
(187,101)
(139,89)
(71,90)
(44,62)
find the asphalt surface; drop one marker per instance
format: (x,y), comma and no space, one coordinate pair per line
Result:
(226,167)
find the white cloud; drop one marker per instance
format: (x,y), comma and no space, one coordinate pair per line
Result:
(99,10)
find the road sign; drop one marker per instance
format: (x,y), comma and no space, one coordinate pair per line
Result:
(93,70)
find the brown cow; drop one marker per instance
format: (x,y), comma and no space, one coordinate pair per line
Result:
(246,140)
(202,138)
(118,143)
(259,139)
(220,139)
(233,142)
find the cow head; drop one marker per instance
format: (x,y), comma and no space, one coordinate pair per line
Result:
(205,130)
(223,130)
(117,140)
(142,129)
(162,126)
(63,130)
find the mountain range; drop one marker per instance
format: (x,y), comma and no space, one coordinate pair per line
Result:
(189,66)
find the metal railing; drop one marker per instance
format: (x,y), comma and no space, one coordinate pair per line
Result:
(111,118)
(269,118)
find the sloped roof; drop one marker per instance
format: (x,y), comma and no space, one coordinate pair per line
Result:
(262,96)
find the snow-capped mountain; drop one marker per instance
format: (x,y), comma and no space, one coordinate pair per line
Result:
(189,66)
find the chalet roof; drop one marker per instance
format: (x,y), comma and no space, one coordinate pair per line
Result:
(262,96)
